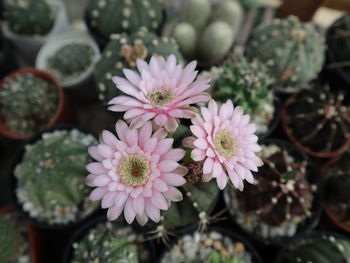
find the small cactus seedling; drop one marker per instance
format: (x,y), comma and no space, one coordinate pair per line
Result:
(29,17)
(9,241)
(292,50)
(72,60)
(215,257)
(318,121)
(51,177)
(27,103)
(123,51)
(117,16)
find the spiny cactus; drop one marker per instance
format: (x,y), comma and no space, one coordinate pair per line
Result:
(324,248)
(122,52)
(117,16)
(27,103)
(51,177)
(29,17)
(215,257)
(9,241)
(319,121)
(249,4)
(293,51)
(72,59)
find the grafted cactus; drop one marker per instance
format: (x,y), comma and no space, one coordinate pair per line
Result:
(29,17)
(117,16)
(27,103)
(292,50)
(9,241)
(122,52)
(51,177)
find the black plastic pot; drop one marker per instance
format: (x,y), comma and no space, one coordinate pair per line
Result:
(310,222)
(8,61)
(13,180)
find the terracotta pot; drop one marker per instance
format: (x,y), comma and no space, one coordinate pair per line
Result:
(64,111)
(284,116)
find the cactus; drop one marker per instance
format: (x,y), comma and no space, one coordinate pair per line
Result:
(29,17)
(215,257)
(117,16)
(324,248)
(249,4)
(51,177)
(293,51)
(186,37)
(197,13)
(27,103)
(9,241)
(122,52)
(318,120)
(72,59)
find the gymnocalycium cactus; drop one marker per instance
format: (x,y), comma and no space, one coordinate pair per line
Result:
(9,241)
(27,103)
(51,177)
(72,59)
(117,16)
(29,17)
(207,33)
(292,50)
(123,51)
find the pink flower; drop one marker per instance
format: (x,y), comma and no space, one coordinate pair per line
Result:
(163,93)
(226,142)
(137,173)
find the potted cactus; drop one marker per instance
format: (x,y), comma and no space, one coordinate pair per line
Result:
(247,85)
(50,177)
(122,52)
(71,58)
(101,241)
(283,201)
(30,23)
(213,246)
(293,52)
(104,18)
(206,31)
(325,247)
(317,121)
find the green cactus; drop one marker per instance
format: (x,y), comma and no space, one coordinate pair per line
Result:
(72,59)
(27,103)
(122,52)
(9,241)
(292,50)
(215,257)
(29,17)
(249,4)
(51,177)
(186,37)
(324,248)
(197,13)
(117,16)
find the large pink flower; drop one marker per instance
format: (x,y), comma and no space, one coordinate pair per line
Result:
(226,142)
(163,92)
(136,173)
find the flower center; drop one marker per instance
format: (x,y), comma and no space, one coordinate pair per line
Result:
(225,144)
(134,170)
(160,98)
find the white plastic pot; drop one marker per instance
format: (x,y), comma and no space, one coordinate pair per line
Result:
(30,45)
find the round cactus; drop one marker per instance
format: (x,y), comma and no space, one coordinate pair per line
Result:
(197,13)
(27,103)
(117,16)
(228,11)
(29,17)
(293,51)
(186,37)
(9,241)
(122,52)
(51,177)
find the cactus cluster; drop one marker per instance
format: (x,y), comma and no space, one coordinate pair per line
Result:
(9,241)
(318,120)
(71,60)
(207,32)
(51,177)
(116,16)
(123,51)
(281,197)
(27,103)
(215,257)
(110,243)
(293,51)
(29,17)
(325,248)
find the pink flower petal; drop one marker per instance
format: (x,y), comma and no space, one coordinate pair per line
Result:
(94,153)
(108,200)
(121,198)
(139,205)
(173,179)
(96,168)
(132,76)
(198,155)
(217,169)
(160,185)
(164,146)
(122,129)
(152,211)
(129,212)
(114,212)
(174,154)
(105,151)
(208,166)
(159,201)
(222,180)
(167,166)
(173,194)
(98,193)
(102,180)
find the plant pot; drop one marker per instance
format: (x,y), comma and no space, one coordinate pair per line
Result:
(8,61)
(64,111)
(81,86)
(14,182)
(260,229)
(30,45)
(273,124)
(309,125)
(83,230)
